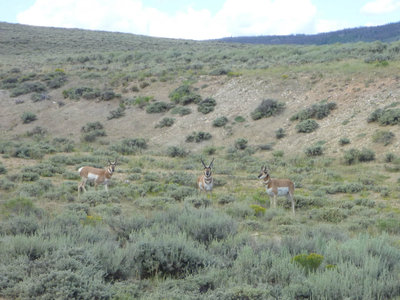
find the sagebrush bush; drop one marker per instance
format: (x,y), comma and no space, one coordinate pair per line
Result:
(317,111)
(165,122)
(28,87)
(307,126)
(184,95)
(117,113)
(280,133)
(84,92)
(28,117)
(316,150)
(344,141)
(55,79)
(383,137)
(198,137)
(385,116)
(129,146)
(207,105)
(175,151)
(167,255)
(181,110)
(220,122)
(241,144)
(158,107)
(353,156)
(268,108)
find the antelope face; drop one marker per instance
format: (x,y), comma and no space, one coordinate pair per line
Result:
(111,166)
(264,173)
(207,169)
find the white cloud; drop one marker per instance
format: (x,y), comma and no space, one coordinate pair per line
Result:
(330,25)
(236,18)
(381,6)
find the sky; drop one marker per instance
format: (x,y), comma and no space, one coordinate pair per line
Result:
(202,19)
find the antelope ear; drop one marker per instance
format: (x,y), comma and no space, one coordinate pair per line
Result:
(115,160)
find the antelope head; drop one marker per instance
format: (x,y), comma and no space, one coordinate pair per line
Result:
(264,173)
(207,170)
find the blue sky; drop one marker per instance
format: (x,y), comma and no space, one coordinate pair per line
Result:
(202,19)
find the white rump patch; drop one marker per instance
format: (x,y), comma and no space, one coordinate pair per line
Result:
(282,191)
(92,176)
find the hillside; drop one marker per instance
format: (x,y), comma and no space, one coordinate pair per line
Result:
(383,33)
(325,117)
(360,79)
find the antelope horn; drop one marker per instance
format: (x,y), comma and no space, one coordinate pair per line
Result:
(211,163)
(203,163)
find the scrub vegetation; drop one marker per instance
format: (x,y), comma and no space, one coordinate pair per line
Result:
(157,106)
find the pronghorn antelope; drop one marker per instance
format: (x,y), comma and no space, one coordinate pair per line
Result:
(277,187)
(99,176)
(205,182)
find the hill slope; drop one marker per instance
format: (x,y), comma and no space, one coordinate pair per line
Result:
(384,33)
(359,78)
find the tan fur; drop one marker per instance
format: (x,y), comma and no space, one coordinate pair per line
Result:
(205,182)
(98,176)
(272,186)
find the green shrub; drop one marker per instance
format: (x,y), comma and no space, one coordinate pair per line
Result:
(180,110)
(316,150)
(198,137)
(19,206)
(220,122)
(165,122)
(280,133)
(107,95)
(175,151)
(310,262)
(37,132)
(390,157)
(55,79)
(92,130)
(92,126)
(389,225)
(317,111)
(307,126)
(84,92)
(268,108)
(168,255)
(28,87)
(205,225)
(258,210)
(117,113)
(241,144)
(36,97)
(344,141)
(129,146)
(158,107)
(366,155)
(353,187)
(184,95)
(383,137)
(197,201)
(385,116)
(179,193)
(207,105)
(28,117)
(140,101)
(3,169)
(239,119)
